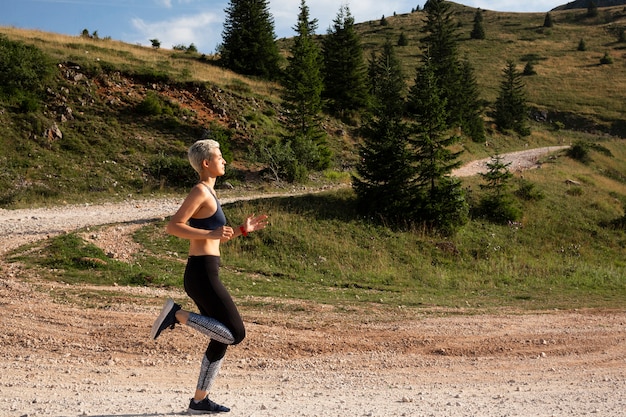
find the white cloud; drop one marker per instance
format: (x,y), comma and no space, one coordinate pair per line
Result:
(183,30)
(168,3)
(165,3)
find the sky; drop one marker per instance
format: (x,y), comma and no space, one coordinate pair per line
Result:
(183,22)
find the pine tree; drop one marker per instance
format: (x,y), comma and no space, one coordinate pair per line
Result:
(384,172)
(470,108)
(302,94)
(248,39)
(478,31)
(403,40)
(345,87)
(510,106)
(440,46)
(547,22)
(529,69)
(592,9)
(498,204)
(439,199)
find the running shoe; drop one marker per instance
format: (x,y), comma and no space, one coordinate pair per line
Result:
(166,319)
(206,406)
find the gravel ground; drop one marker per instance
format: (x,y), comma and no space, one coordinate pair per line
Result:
(65,354)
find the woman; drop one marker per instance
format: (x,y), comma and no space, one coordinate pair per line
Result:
(200,219)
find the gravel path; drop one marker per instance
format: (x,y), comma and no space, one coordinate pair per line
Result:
(65,352)
(21,226)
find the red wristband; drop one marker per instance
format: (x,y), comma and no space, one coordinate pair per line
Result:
(243,231)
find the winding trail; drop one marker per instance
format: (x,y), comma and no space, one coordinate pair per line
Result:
(18,227)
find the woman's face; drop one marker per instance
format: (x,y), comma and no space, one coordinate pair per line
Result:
(217,164)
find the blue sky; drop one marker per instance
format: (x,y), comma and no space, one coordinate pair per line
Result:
(182,22)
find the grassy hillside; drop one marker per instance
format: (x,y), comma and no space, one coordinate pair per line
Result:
(111,147)
(570,84)
(568,250)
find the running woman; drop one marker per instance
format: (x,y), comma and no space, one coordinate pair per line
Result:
(200,220)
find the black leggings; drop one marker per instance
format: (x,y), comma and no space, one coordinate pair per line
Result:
(203,285)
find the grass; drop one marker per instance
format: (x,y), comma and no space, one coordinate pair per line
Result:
(178,65)
(116,145)
(567,81)
(562,254)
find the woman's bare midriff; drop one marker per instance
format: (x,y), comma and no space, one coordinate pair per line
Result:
(199,247)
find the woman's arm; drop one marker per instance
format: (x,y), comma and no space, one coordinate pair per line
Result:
(251,224)
(196,200)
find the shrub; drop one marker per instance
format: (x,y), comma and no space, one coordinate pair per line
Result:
(528,192)
(606,59)
(28,103)
(498,209)
(172,170)
(580,152)
(151,105)
(25,71)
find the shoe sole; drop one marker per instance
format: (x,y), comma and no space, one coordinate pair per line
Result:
(169,304)
(193,412)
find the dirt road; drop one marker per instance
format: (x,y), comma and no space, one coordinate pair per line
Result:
(65,352)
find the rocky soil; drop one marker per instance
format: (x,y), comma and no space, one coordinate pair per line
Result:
(65,353)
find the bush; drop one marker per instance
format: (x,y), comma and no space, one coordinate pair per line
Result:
(28,104)
(528,192)
(606,59)
(151,105)
(580,152)
(25,71)
(172,170)
(498,209)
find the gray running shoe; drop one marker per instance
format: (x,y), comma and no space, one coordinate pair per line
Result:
(166,319)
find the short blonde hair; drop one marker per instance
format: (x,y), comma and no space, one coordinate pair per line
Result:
(201,150)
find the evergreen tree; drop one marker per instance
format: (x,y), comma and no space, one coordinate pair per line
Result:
(510,106)
(384,172)
(547,22)
(302,93)
(529,69)
(470,108)
(478,31)
(248,39)
(439,201)
(592,9)
(403,40)
(440,46)
(498,204)
(345,87)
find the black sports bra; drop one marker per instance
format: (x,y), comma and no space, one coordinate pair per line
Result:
(217,220)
